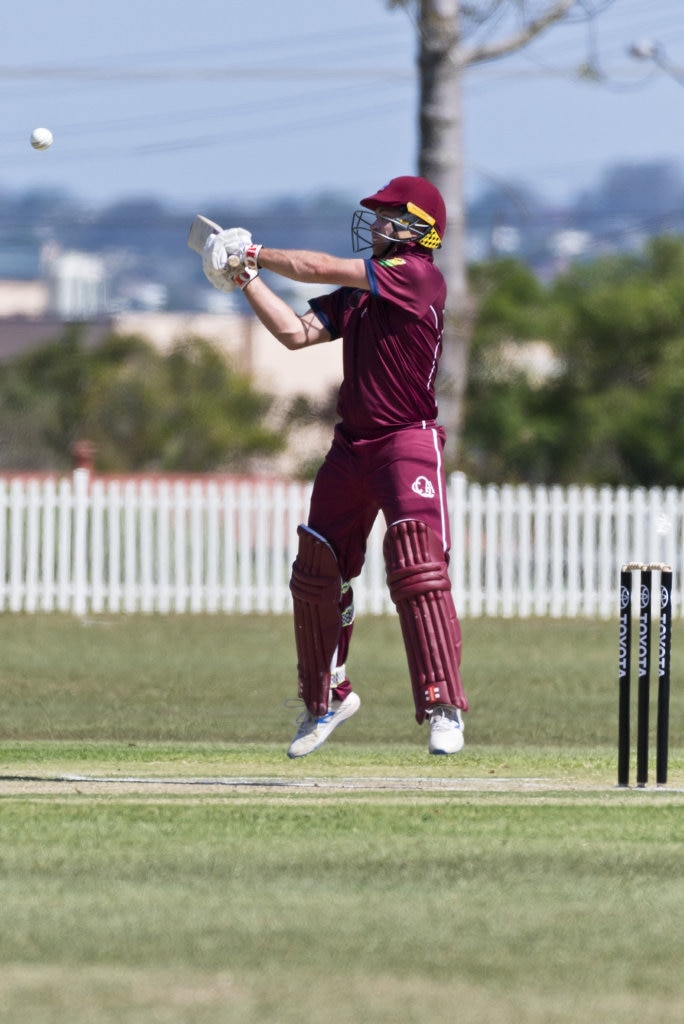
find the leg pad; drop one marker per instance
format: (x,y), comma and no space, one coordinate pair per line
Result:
(420,587)
(316,588)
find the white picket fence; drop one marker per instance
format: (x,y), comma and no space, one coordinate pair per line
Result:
(98,545)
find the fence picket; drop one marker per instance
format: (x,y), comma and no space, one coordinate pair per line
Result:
(80,541)
(474,598)
(262,533)
(16,536)
(49,504)
(114,547)
(130,523)
(213,550)
(278,541)
(491,551)
(147,520)
(196,543)
(244,548)
(163,548)
(572,554)
(64,535)
(32,547)
(524,540)
(180,589)
(541,550)
(507,607)
(98,547)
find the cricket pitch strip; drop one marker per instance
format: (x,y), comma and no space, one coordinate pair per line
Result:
(91,785)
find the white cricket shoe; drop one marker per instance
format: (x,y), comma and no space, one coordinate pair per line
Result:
(446,730)
(313,731)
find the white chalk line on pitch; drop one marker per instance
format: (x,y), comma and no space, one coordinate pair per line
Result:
(418,784)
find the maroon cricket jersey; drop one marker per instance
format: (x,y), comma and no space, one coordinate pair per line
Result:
(392,341)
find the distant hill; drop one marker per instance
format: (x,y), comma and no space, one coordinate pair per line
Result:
(143,241)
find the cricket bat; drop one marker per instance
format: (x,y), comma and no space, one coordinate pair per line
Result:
(200,229)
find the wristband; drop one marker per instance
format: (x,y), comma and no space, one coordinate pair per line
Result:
(251,256)
(246,275)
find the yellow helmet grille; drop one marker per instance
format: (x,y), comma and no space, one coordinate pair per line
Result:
(431,240)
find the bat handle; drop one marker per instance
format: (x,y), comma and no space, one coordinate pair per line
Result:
(234,261)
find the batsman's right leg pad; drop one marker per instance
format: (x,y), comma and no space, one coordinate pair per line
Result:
(316,587)
(419,585)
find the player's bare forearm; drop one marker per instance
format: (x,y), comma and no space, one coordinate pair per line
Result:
(290,329)
(314,267)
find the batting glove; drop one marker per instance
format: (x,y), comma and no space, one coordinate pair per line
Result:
(219,279)
(223,250)
(230,256)
(216,259)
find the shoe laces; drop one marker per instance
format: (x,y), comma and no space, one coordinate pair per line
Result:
(304,717)
(306,720)
(294,702)
(445,718)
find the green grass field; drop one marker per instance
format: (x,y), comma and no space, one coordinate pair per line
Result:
(162,861)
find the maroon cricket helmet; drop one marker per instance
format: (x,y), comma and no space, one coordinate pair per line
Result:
(418,195)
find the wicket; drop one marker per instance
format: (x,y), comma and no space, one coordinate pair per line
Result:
(644,576)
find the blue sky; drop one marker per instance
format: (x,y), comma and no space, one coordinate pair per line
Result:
(190,103)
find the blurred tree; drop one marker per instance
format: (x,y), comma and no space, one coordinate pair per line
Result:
(517,403)
(215,417)
(187,410)
(599,400)
(622,343)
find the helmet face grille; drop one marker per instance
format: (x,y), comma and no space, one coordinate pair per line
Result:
(363,235)
(362,238)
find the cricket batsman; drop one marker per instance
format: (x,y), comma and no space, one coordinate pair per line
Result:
(387,306)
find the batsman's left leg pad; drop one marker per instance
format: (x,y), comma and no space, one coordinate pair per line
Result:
(316,587)
(420,587)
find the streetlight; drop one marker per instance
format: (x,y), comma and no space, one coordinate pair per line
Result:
(646,49)
(652,50)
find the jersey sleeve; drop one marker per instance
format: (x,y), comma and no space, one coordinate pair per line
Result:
(410,282)
(330,310)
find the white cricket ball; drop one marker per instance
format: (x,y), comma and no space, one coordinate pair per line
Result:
(41,138)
